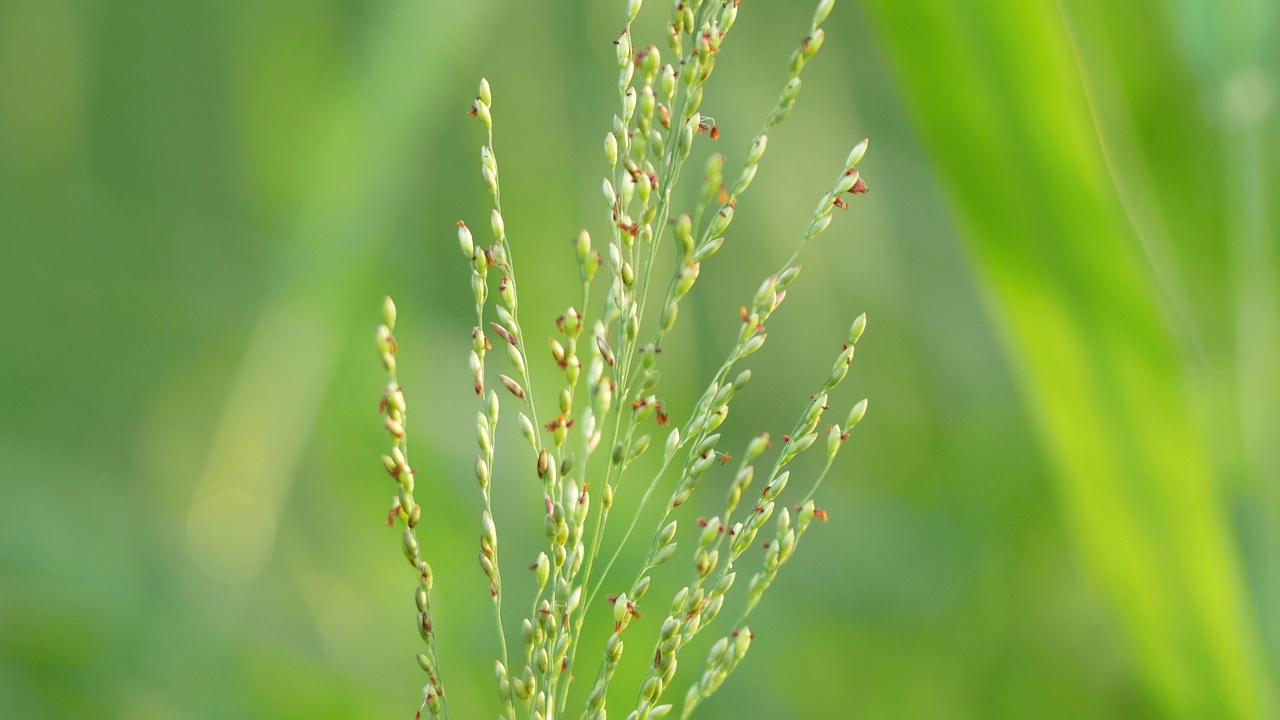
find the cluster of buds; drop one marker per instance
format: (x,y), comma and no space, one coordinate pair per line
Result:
(806,433)
(787,536)
(613,648)
(698,602)
(712,237)
(746,473)
(852,182)
(692,609)
(567,506)
(727,653)
(724,657)
(487,417)
(507,327)
(480,109)
(637,141)
(403,506)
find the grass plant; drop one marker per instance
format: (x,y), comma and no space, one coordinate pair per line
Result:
(608,413)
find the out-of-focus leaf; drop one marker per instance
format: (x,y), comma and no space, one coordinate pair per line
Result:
(998,94)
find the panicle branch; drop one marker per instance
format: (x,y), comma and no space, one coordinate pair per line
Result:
(408,512)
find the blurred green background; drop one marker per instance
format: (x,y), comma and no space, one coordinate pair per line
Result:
(1064,502)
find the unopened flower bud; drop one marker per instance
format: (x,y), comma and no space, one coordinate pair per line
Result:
(686,278)
(722,219)
(498,226)
(526,428)
(543,570)
(856,155)
(513,386)
(773,489)
(710,532)
(411,546)
(611,149)
(489,531)
(621,613)
(606,352)
(855,415)
(641,587)
(757,150)
(490,180)
(824,9)
(628,103)
(389,312)
(673,442)
(859,325)
(847,181)
(668,81)
(708,248)
(623,46)
(812,44)
(834,437)
(668,533)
